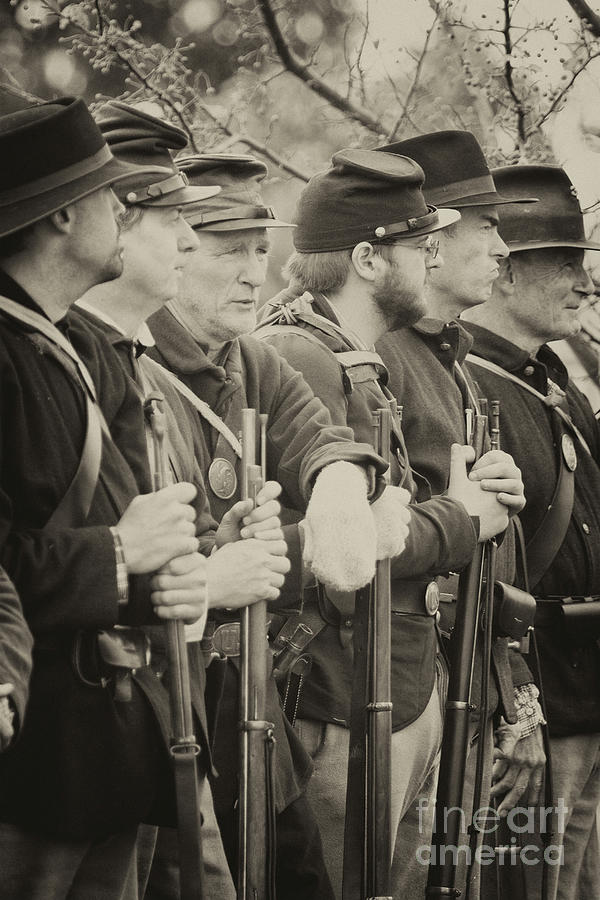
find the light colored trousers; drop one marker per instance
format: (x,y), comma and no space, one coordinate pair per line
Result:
(154,873)
(576,776)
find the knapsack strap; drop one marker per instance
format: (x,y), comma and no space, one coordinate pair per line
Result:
(199,405)
(550,534)
(77,500)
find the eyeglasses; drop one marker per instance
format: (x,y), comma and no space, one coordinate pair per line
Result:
(430,248)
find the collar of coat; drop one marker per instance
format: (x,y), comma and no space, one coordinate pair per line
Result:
(434,331)
(545,364)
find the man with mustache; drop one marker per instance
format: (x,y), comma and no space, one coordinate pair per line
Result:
(549,427)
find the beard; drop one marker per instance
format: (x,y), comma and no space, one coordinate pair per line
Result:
(112,266)
(400,303)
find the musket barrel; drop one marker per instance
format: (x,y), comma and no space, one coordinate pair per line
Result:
(255,855)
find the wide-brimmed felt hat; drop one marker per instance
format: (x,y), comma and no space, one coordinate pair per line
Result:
(143,140)
(240,205)
(456,170)
(555,221)
(52,155)
(365,196)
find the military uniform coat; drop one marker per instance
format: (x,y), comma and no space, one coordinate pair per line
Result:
(570,668)
(300,441)
(85,765)
(441,537)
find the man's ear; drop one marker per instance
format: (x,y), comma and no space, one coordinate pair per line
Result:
(366,261)
(62,220)
(506,277)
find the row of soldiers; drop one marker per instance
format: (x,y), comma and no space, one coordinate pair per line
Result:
(130,271)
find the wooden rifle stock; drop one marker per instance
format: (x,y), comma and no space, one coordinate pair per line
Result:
(449,812)
(256,812)
(183,746)
(367,839)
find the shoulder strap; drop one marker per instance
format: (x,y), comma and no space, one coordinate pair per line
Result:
(358,366)
(76,502)
(508,376)
(543,546)
(200,406)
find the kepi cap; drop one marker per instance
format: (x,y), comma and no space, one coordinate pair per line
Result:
(52,155)
(365,196)
(240,205)
(456,170)
(555,221)
(145,141)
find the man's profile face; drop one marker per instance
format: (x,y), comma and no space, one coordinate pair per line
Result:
(221,283)
(155,250)
(551,286)
(399,291)
(96,235)
(472,249)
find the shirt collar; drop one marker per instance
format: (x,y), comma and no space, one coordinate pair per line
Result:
(142,336)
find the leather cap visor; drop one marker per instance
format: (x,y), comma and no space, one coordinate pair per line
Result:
(146,142)
(365,196)
(239,206)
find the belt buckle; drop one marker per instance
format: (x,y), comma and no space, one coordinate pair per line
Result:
(432,598)
(226,639)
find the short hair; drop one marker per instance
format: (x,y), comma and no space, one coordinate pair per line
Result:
(15,243)
(325,272)
(129,217)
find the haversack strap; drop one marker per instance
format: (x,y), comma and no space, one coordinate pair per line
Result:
(200,406)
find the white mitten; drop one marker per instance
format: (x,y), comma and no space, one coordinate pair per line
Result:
(392,515)
(340,538)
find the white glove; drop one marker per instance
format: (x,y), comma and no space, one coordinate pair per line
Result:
(340,538)
(392,515)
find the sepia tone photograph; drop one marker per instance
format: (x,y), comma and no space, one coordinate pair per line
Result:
(299,449)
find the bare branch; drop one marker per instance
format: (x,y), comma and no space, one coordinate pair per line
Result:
(275,158)
(584,11)
(415,81)
(314,81)
(560,96)
(508,72)
(11,86)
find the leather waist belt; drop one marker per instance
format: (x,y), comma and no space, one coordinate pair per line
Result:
(574,598)
(416,598)
(224,640)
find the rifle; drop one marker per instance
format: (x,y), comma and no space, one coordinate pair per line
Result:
(256,865)
(448,808)
(367,838)
(183,746)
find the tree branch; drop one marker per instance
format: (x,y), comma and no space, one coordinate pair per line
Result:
(415,82)
(11,86)
(508,72)
(584,11)
(314,81)
(559,97)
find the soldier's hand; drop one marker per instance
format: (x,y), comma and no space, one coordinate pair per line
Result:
(497,471)
(156,528)
(493,515)
(244,520)
(518,766)
(6,716)
(179,589)
(242,573)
